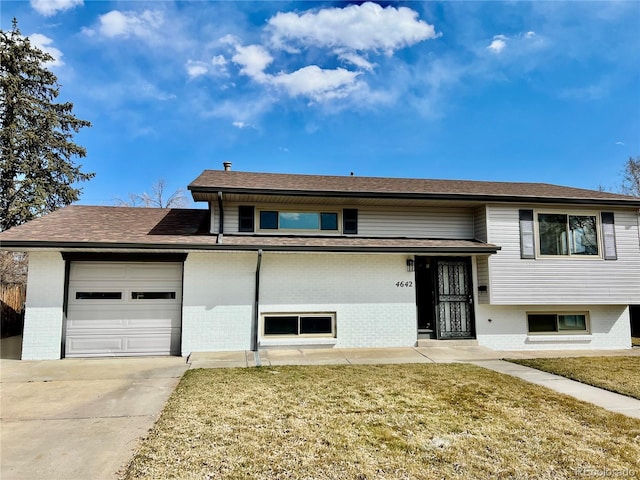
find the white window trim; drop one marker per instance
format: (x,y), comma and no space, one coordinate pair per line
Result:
(298,314)
(587,324)
(581,213)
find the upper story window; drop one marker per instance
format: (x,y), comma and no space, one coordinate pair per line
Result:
(566,234)
(287,220)
(561,234)
(250,217)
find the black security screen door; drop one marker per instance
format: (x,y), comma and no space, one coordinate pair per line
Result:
(454,302)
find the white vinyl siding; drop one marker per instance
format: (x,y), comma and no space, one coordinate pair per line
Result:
(480,224)
(558,280)
(446,223)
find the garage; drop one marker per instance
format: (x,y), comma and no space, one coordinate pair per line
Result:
(123,308)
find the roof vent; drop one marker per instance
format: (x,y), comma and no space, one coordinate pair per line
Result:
(227,166)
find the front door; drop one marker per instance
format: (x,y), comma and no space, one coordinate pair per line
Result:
(425,298)
(444,297)
(454,299)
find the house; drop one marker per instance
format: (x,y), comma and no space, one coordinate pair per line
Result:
(281,260)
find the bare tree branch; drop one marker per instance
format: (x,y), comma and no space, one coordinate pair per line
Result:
(156,199)
(631,179)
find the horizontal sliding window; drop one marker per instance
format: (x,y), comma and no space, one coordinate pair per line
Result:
(98,295)
(153,295)
(302,324)
(571,235)
(557,322)
(275,220)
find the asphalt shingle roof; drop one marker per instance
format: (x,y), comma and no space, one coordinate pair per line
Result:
(246,182)
(122,227)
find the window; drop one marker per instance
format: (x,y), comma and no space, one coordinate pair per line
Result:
(350,220)
(245,218)
(153,295)
(276,220)
(98,295)
(557,322)
(300,324)
(572,235)
(268,220)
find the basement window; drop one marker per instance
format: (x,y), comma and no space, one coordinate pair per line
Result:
(557,322)
(315,324)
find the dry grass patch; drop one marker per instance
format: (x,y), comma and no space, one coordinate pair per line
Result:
(618,374)
(379,422)
(635,341)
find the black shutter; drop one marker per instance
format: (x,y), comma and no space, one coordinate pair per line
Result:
(350,220)
(608,236)
(245,218)
(527,240)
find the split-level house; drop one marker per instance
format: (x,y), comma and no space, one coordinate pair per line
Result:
(279,260)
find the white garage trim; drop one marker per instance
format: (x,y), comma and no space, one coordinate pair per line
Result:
(123,309)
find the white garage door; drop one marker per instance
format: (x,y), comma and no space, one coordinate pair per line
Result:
(123,309)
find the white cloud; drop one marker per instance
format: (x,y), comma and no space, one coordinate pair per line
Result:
(518,44)
(253,60)
(356,27)
(44,43)
(357,60)
(317,83)
(241,125)
(130,24)
(498,44)
(620,143)
(217,67)
(48,8)
(219,62)
(196,69)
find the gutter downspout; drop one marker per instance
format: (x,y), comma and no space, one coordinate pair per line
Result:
(220,219)
(256,305)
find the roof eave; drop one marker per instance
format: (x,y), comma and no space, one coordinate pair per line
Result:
(35,245)
(415,196)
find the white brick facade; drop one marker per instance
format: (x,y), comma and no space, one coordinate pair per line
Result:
(218,301)
(42,336)
(360,289)
(370,310)
(507,330)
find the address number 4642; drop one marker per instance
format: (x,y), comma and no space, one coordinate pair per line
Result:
(408,284)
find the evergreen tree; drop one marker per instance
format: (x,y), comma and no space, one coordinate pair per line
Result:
(37,166)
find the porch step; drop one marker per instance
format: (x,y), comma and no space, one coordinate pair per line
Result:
(429,342)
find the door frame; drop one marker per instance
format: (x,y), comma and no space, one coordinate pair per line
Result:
(433,266)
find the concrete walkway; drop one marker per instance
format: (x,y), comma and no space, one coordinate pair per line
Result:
(613,402)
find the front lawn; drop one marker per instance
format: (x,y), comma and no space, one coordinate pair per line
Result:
(618,374)
(370,422)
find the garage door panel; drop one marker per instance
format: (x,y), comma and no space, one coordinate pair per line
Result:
(118,308)
(130,344)
(152,318)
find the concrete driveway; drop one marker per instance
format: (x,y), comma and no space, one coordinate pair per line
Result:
(79,419)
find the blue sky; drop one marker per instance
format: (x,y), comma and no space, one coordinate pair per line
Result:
(515,91)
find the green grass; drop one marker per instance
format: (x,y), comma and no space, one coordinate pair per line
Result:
(379,422)
(618,374)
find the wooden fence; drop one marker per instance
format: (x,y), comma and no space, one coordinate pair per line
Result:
(12,299)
